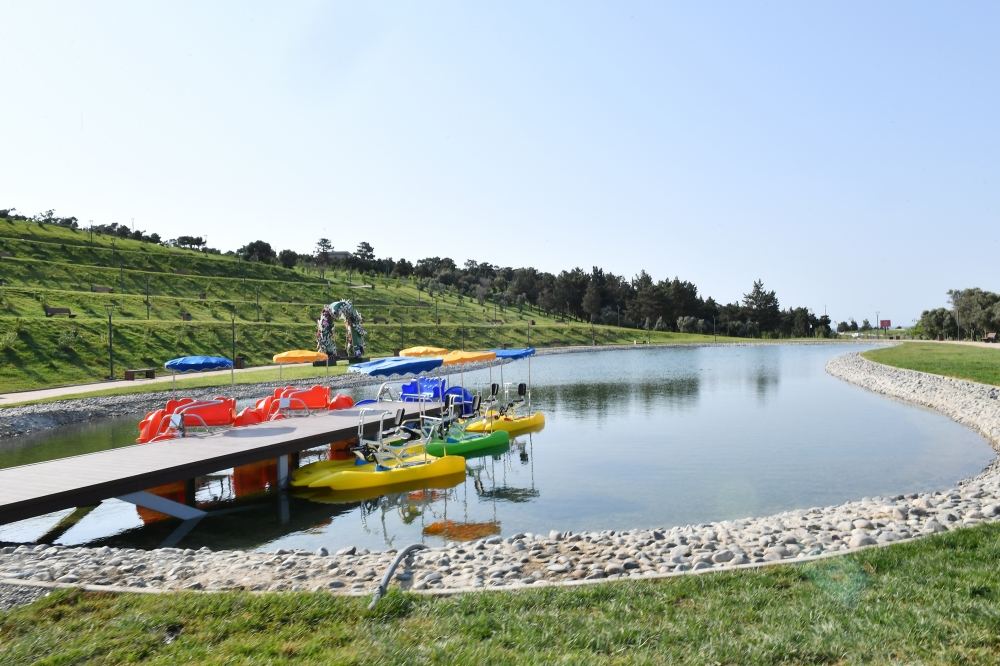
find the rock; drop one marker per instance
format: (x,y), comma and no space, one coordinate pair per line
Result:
(350,550)
(722,556)
(860,539)
(933,527)
(322,552)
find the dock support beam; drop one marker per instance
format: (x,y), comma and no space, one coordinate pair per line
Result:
(169,507)
(283,472)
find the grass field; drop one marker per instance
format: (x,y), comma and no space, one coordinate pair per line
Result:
(39,353)
(978,364)
(936,600)
(193,299)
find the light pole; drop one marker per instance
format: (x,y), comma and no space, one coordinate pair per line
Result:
(111,345)
(877,324)
(147,298)
(232,374)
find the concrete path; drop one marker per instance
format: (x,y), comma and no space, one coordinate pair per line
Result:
(970,343)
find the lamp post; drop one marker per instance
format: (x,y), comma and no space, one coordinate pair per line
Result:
(111,345)
(877,324)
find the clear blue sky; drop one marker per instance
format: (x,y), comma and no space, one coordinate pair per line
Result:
(847,153)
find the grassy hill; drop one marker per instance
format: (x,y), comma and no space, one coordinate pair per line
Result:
(155,289)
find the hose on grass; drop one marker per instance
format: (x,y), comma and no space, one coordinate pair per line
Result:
(384,585)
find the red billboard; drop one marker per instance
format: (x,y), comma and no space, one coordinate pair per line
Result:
(885,324)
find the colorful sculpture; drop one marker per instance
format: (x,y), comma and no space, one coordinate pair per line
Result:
(355,338)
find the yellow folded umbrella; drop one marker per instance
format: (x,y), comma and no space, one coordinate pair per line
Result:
(456,357)
(299,356)
(424,351)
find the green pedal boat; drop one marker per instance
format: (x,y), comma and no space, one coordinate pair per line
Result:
(467,445)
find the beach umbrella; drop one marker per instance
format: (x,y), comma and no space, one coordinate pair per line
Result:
(395,366)
(197,364)
(460,358)
(424,350)
(300,356)
(514,355)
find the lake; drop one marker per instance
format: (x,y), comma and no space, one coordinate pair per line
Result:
(648,437)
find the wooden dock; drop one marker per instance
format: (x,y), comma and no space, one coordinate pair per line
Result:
(40,488)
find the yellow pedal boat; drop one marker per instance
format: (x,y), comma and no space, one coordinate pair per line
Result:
(409,468)
(303,477)
(512,425)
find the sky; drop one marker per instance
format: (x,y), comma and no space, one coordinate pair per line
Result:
(846,153)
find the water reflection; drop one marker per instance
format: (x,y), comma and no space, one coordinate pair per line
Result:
(599,399)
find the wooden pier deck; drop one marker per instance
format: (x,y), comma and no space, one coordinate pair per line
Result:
(40,488)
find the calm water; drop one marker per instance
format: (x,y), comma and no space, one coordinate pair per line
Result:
(635,438)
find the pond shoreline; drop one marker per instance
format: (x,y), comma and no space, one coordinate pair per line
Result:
(533,560)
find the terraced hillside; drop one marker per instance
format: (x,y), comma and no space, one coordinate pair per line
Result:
(167,302)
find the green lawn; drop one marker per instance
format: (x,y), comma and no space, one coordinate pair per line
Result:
(39,353)
(932,601)
(978,364)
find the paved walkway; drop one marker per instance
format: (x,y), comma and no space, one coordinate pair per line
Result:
(76,389)
(970,343)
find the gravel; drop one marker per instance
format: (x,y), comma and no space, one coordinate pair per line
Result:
(19,595)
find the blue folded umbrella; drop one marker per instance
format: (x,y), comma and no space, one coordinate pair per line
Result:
(395,366)
(198,363)
(514,354)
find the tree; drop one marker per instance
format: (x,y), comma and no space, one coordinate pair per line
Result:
(687,324)
(762,307)
(322,255)
(288,258)
(937,323)
(592,301)
(258,250)
(866,325)
(192,242)
(364,255)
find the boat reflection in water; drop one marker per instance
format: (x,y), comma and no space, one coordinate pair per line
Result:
(245,509)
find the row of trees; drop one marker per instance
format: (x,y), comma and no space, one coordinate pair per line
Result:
(973,313)
(596,296)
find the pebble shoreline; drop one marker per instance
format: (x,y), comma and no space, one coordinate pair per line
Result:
(571,558)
